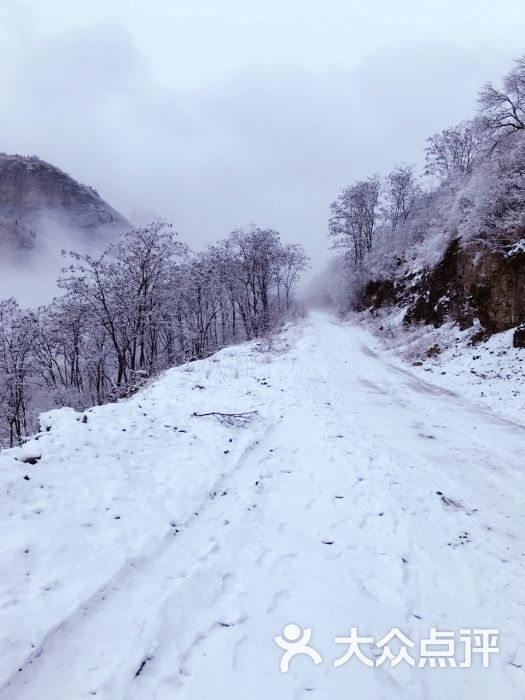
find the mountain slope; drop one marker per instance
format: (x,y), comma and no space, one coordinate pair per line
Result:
(33,192)
(156,554)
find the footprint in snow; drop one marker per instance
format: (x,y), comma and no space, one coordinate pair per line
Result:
(231,619)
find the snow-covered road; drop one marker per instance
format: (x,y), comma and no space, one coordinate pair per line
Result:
(363,498)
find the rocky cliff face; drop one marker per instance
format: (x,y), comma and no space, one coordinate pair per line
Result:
(32,190)
(466,284)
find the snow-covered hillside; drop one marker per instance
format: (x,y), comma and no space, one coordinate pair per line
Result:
(32,190)
(150,553)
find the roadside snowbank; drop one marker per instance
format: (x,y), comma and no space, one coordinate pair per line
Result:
(491,372)
(85,499)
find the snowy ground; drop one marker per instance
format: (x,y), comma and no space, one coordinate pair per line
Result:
(491,373)
(155,555)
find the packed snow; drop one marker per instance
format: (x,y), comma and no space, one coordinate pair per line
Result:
(152,553)
(490,372)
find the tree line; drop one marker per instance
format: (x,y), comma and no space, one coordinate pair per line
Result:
(492,144)
(146,304)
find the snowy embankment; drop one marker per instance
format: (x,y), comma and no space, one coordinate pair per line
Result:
(147,562)
(491,372)
(95,493)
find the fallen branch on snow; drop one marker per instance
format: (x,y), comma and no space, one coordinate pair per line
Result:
(235,419)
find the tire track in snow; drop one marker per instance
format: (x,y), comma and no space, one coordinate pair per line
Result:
(131,569)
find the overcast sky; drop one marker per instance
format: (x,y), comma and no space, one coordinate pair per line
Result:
(215,114)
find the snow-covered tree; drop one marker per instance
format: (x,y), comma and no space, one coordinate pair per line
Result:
(503,110)
(452,151)
(354,218)
(123,291)
(17,332)
(401,192)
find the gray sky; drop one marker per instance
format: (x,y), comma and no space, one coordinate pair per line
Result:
(216,114)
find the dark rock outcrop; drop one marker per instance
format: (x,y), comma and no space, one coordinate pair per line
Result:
(378,293)
(466,284)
